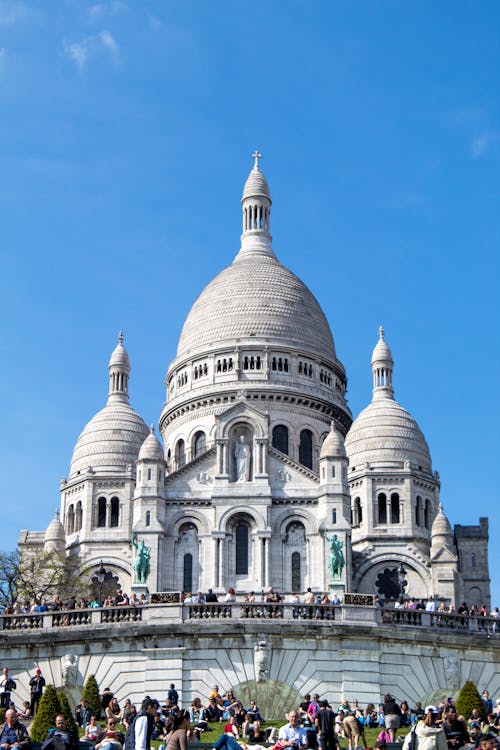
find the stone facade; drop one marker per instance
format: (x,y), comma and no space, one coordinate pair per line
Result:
(255,476)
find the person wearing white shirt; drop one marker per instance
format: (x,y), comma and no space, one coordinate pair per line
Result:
(291,735)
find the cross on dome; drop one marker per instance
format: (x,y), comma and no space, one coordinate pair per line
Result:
(381,332)
(256,155)
(120,337)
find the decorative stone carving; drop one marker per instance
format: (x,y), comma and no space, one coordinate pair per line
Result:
(452,672)
(202,477)
(262,661)
(284,475)
(296,535)
(69,669)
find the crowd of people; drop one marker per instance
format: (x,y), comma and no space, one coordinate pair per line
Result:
(57,604)
(313,724)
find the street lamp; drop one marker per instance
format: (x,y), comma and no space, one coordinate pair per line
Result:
(403,583)
(100,575)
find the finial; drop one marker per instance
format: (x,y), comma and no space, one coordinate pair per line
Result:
(332,425)
(152,428)
(381,333)
(56,515)
(120,337)
(256,155)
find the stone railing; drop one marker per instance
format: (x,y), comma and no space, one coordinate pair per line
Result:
(175,612)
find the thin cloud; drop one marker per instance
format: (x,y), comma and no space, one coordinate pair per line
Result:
(11,12)
(81,52)
(99,10)
(485,142)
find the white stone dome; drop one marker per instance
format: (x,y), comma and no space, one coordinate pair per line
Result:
(441,526)
(256,298)
(110,441)
(119,358)
(384,434)
(151,448)
(55,530)
(333,444)
(256,185)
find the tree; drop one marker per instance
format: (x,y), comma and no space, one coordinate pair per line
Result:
(468,699)
(45,718)
(39,576)
(66,711)
(92,696)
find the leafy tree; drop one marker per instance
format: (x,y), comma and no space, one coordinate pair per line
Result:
(92,696)
(468,699)
(41,576)
(45,718)
(65,710)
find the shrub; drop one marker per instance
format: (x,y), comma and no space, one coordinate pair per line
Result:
(45,718)
(65,710)
(91,695)
(468,699)
(2,715)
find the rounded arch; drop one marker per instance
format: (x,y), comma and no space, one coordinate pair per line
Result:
(281,521)
(232,515)
(198,442)
(281,438)
(254,426)
(418,574)
(187,516)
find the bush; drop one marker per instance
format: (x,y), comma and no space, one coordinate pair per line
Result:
(65,710)
(2,715)
(91,695)
(45,718)
(468,699)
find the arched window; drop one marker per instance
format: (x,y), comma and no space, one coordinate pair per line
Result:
(395,513)
(149,475)
(148,518)
(280,438)
(427,514)
(180,454)
(334,515)
(418,511)
(199,443)
(78,516)
(358,514)
(241,545)
(187,574)
(382,508)
(296,576)
(115,512)
(305,449)
(71,519)
(101,512)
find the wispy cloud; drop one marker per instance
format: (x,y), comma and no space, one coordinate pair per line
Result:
(485,142)
(99,10)
(81,52)
(12,11)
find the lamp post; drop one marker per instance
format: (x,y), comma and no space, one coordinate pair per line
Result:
(403,583)
(100,575)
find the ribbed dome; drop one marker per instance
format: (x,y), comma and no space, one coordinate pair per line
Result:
(151,448)
(441,526)
(256,185)
(110,441)
(55,530)
(119,357)
(256,297)
(385,434)
(333,444)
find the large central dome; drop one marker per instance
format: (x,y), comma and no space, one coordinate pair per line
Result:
(257,297)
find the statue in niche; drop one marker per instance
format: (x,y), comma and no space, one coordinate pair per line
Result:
(69,669)
(188,534)
(336,559)
(242,454)
(262,661)
(142,561)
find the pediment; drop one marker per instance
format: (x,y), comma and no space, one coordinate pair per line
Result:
(444,555)
(242,411)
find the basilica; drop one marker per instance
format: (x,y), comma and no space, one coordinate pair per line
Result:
(257,471)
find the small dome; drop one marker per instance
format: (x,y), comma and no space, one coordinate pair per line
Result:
(441,526)
(110,441)
(55,530)
(385,434)
(119,357)
(381,352)
(333,444)
(151,448)
(256,185)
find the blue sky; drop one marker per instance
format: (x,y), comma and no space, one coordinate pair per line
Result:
(125,137)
